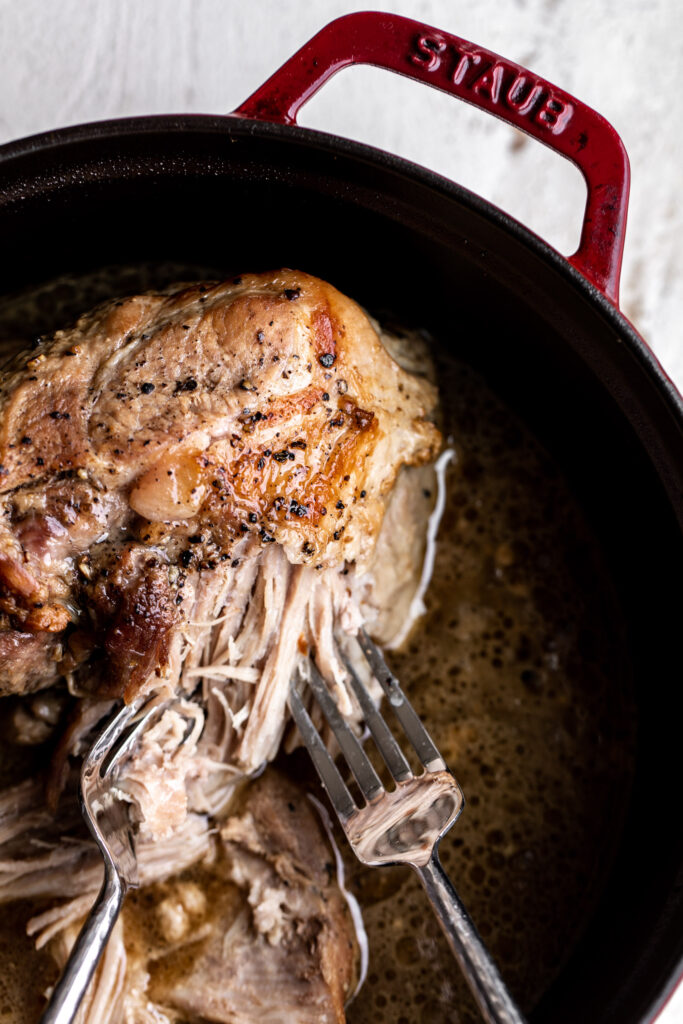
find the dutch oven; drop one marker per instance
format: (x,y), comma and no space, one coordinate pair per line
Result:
(254,190)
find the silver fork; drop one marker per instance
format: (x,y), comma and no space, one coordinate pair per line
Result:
(108,818)
(403,825)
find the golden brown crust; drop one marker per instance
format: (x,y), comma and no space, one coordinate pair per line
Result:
(265,405)
(201,379)
(137,639)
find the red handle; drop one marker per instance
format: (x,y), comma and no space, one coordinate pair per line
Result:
(488,81)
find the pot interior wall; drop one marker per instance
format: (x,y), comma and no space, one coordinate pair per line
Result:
(241,197)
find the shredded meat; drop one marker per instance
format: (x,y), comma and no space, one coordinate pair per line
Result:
(199,488)
(290,958)
(278,942)
(182,421)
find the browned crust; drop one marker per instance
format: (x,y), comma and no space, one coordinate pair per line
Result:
(27,661)
(263,405)
(138,633)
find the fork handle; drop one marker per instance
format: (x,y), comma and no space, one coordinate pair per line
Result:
(481,974)
(87,950)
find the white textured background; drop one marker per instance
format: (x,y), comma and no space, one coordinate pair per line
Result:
(81,60)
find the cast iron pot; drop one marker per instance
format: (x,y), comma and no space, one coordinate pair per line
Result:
(254,191)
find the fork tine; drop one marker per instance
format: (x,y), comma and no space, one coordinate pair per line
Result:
(112,732)
(118,736)
(128,736)
(107,816)
(342,801)
(381,733)
(366,776)
(401,706)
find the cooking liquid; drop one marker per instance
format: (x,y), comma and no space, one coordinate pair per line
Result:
(519,670)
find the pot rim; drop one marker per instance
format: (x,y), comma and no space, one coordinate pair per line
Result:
(226,124)
(111,129)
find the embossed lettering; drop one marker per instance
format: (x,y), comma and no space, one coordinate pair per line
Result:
(490,83)
(468,62)
(482,71)
(523,95)
(554,114)
(428,50)
(493,81)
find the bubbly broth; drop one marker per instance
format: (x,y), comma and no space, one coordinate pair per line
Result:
(520,671)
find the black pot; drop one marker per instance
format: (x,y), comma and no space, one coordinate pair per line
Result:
(240,192)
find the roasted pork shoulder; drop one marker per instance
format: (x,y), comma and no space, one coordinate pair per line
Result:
(149,444)
(199,487)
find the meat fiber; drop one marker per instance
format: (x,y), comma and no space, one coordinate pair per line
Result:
(289,959)
(199,489)
(276,942)
(140,447)
(193,484)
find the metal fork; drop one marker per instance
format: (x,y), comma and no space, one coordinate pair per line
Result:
(108,818)
(403,825)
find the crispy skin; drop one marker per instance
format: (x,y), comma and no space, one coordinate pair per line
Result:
(263,405)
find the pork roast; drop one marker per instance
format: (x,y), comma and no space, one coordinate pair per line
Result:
(145,445)
(200,487)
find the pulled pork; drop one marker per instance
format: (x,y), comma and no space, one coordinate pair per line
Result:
(199,489)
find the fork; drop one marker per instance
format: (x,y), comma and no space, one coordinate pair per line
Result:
(403,825)
(108,818)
